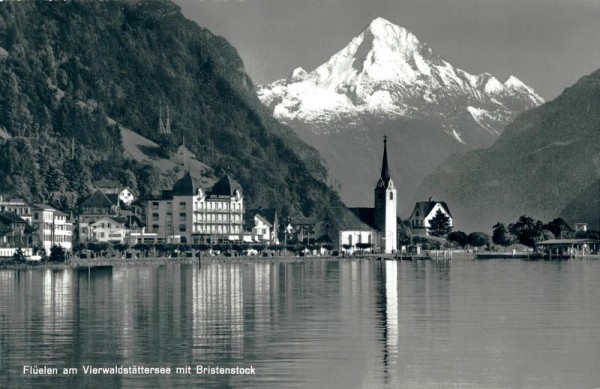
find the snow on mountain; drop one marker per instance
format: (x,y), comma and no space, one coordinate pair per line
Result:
(387,82)
(387,71)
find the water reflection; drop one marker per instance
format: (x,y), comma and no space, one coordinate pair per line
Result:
(313,323)
(218,309)
(391,314)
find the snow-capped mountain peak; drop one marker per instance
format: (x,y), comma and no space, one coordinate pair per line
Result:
(386,81)
(386,70)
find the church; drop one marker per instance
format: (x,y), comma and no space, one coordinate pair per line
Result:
(381,220)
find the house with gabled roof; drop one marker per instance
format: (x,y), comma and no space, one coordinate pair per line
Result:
(423,212)
(99,203)
(261,225)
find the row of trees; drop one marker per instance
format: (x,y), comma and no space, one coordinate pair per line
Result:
(57,255)
(164,249)
(528,231)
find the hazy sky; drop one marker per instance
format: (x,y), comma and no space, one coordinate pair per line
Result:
(548,44)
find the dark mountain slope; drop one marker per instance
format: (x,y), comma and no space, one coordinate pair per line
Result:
(67,66)
(542,161)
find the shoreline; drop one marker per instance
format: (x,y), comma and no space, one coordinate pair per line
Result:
(77,263)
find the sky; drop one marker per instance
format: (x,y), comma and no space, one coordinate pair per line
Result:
(548,44)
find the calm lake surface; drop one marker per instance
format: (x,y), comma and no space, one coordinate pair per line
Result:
(317,323)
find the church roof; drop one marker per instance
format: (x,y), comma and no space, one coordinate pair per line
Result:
(340,219)
(226,186)
(365,215)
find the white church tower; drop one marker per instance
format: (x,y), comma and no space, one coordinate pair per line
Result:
(385,206)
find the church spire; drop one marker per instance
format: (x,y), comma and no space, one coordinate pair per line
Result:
(385,169)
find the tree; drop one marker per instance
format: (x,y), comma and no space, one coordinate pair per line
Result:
(440,224)
(19,256)
(363,246)
(458,237)
(121,247)
(527,230)
(57,254)
(501,236)
(559,228)
(478,239)
(404,232)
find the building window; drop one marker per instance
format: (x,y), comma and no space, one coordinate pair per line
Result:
(155,205)
(155,228)
(182,228)
(391,195)
(182,216)
(155,216)
(182,205)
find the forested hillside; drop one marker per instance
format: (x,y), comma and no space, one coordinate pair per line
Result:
(67,67)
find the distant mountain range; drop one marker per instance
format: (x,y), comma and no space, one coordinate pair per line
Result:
(385,81)
(545,164)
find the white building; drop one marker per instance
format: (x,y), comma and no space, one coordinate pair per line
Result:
(189,214)
(126,196)
(52,228)
(108,230)
(423,212)
(352,240)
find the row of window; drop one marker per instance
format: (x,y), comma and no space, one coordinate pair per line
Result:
(156,204)
(217,229)
(104,235)
(218,206)
(57,238)
(224,218)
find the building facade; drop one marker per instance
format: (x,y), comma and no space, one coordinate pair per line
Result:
(108,230)
(189,214)
(51,228)
(17,206)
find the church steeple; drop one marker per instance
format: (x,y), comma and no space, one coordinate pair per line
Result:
(385,206)
(385,169)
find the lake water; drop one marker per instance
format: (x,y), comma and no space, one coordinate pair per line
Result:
(317,323)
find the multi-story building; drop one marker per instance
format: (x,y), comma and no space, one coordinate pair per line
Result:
(51,227)
(189,214)
(17,206)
